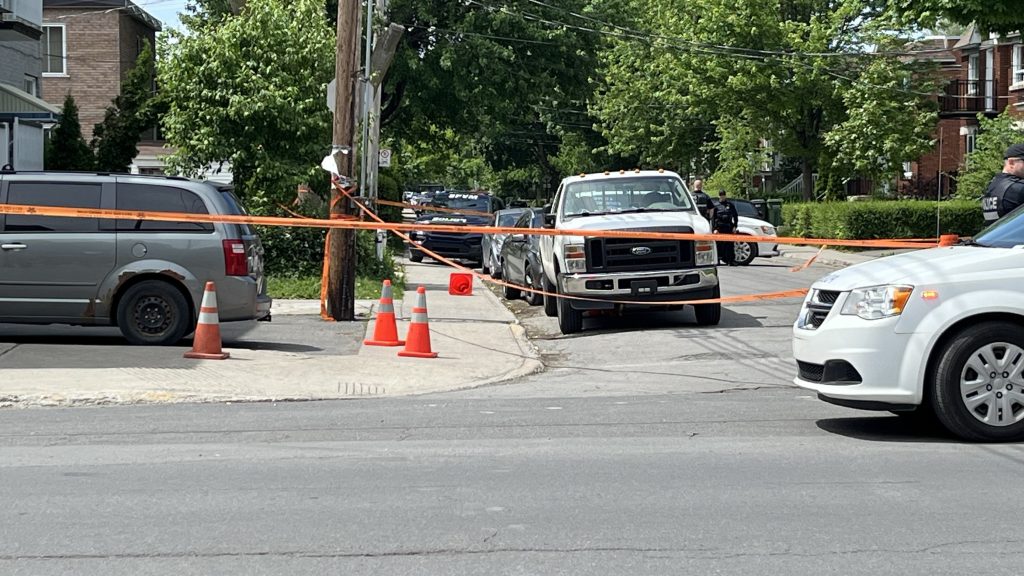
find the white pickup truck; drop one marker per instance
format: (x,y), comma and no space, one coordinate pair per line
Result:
(619,272)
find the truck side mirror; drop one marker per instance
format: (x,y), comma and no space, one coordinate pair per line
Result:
(550,219)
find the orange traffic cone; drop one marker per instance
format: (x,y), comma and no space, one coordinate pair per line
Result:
(385,331)
(460,284)
(948,240)
(206,343)
(418,341)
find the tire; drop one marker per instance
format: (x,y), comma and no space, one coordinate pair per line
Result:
(570,320)
(709,314)
(967,400)
(744,253)
(495,269)
(153,313)
(415,256)
(550,302)
(532,298)
(509,292)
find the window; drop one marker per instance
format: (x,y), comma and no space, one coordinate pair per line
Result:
(971,141)
(615,195)
(148,198)
(1017,70)
(53,194)
(972,74)
(32,85)
(56,48)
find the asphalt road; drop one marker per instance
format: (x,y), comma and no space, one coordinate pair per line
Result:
(652,447)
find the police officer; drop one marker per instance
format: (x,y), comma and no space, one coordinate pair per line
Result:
(1006,190)
(704,206)
(725,221)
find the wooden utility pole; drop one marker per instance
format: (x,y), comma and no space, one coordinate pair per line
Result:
(341,280)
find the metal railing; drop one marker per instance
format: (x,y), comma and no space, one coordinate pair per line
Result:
(969,97)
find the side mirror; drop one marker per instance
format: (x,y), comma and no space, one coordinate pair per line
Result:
(550,219)
(518,237)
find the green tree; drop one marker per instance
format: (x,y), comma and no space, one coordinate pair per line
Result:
(793,70)
(67,149)
(136,109)
(994,136)
(249,90)
(1003,16)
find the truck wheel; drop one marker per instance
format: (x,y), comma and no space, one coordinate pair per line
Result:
(570,320)
(415,255)
(153,313)
(550,302)
(709,314)
(978,385)
(744,252)
(509,292)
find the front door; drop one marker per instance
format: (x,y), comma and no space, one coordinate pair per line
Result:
(51,268)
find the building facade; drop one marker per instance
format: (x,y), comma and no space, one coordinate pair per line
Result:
(91,46)
(23,114)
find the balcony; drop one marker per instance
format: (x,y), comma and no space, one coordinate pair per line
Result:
(968,98)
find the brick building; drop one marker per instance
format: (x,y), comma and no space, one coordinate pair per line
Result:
(985,75)
(90,47)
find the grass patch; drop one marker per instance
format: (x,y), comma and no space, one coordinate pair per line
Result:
(308,287)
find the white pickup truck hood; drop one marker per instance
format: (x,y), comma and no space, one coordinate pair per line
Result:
(639,221)
(926,266)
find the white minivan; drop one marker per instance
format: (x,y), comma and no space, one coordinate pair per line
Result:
(937,331)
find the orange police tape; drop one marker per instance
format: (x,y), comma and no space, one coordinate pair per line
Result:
(796,293)
(915,243)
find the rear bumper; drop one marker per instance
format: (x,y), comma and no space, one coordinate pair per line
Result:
(238,299)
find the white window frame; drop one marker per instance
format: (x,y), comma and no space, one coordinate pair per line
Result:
(1017,67)
(64,50)
(33,83)
(973,74)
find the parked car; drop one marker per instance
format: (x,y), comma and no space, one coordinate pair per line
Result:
(614,271)
(492,242)
(145,277)
(937,332)
(521,261)
(466,246)
(750,223)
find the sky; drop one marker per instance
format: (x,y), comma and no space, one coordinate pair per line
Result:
(166,11)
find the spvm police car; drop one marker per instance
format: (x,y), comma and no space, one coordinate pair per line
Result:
(463,209)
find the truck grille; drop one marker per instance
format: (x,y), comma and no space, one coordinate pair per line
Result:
(638,254)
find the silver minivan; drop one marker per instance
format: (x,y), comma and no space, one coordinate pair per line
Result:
(145,277)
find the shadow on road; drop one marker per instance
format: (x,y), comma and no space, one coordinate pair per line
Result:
(887,429)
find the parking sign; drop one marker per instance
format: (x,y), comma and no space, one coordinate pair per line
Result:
(384,161)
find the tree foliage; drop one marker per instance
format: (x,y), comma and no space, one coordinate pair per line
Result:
(249,90)
(1003,16)
(794,71)
(994,136)
(136,109)
(67,149)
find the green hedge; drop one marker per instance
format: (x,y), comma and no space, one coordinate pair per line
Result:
(881,219)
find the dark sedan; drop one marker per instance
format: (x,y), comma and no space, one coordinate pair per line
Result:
(520,258)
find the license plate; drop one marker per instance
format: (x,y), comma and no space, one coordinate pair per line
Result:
(644,287)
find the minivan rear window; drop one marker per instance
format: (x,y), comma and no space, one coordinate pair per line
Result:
(55,194)
(151,198)
(236,209)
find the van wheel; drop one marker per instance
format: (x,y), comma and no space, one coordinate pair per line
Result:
(415,256)
(153,313)
(978,384)
(570,320)
(550,302)
(533,298)
(509,292)
(709,314)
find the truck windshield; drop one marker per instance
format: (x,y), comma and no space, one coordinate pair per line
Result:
(463,201)
(622,195)
(1008,232)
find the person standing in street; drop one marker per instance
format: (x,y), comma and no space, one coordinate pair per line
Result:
(1006,190)
(704,206)
(725,221)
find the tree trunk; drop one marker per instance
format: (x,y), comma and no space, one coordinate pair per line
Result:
(808,177)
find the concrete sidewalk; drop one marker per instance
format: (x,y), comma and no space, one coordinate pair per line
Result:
(478,339)
(831,257)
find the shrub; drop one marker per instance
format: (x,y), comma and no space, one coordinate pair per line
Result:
(882,219)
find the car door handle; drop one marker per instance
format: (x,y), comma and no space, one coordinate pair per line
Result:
(12,246)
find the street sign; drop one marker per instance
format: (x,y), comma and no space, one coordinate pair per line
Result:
(384,161)
(332,94)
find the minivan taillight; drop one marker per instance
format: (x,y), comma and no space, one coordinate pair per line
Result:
(235,261)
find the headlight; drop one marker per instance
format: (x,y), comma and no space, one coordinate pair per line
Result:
(877,302)
(705,253)
(767,230)
(575,258)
